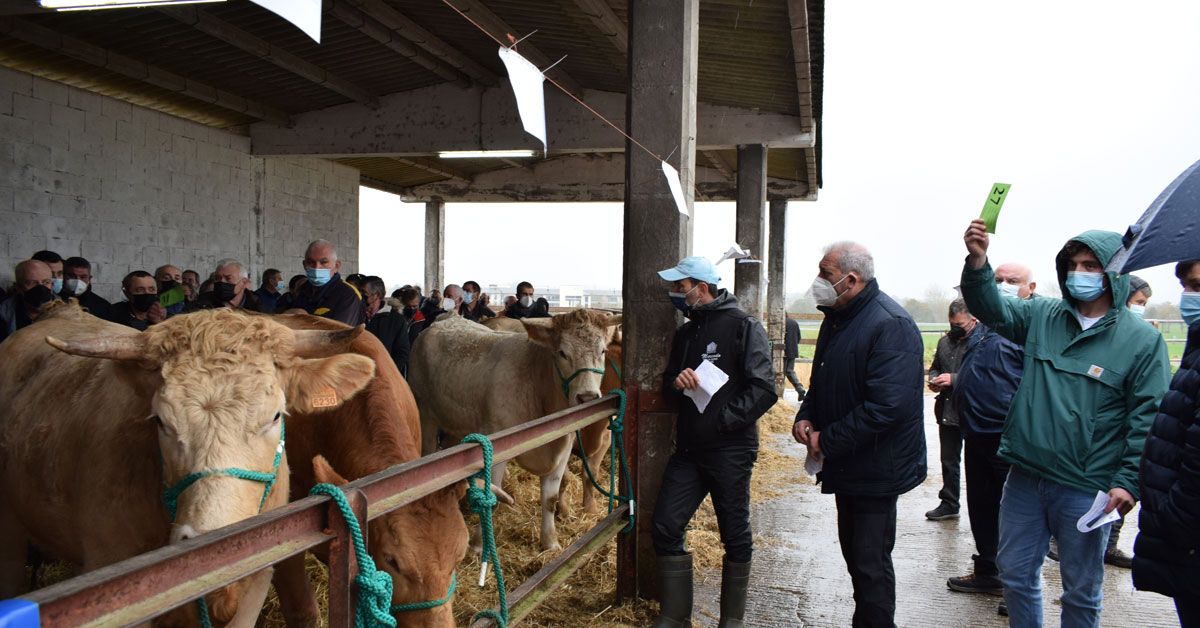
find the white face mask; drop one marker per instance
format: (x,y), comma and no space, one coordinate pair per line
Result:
(447,304)
(825,293)
(525,301)
(1010,290)
(1139,310)
(76,286)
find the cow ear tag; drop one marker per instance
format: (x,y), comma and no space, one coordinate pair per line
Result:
(327,398)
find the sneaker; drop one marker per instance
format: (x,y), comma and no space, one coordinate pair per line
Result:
(1002,610)
(941,513)
(1117,558)
(1052,554)
(972,583)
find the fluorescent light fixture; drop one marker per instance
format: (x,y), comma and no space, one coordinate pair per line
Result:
(485,154)
(90,5)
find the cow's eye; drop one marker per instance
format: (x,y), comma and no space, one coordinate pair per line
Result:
(562,354)
(158,421)
(278,416)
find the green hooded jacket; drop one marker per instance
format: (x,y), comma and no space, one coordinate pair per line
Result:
(1087,398)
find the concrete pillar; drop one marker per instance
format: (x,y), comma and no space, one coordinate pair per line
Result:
(661,114)
(751,226)
(435,245)
(776,293)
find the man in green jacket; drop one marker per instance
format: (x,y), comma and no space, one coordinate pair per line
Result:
(1094,373)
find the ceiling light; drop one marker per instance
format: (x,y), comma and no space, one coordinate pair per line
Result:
(90,5)
(484,154)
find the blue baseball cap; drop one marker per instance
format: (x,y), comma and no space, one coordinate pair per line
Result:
(698,268)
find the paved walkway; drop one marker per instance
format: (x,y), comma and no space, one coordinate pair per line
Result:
(800,579)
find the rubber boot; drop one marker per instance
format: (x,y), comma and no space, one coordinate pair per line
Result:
(674,592)
(735,580)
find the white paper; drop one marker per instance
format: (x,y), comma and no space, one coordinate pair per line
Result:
(1095,516)
(735,252)
(527,83)
(711,380)
(305,14)
(672,176)
(813,463)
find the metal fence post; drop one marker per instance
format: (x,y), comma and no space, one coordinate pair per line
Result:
(343,565)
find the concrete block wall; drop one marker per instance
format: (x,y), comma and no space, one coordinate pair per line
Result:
(130,188)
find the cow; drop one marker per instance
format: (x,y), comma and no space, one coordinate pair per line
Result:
(419,544)
(468,378)
(98,418)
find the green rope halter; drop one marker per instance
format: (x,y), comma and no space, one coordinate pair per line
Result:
(482,500)
(374,586)
(566,381)
(616,424)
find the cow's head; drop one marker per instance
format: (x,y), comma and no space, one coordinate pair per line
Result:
(578,340)
(219,385)
(419,545)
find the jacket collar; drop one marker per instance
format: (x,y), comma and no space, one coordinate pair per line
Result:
(853,306)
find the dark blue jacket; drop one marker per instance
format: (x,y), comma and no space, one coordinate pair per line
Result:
(1167,552)
(867,397)
(986,381)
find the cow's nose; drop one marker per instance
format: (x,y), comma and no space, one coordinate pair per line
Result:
(182,533)
(585,397)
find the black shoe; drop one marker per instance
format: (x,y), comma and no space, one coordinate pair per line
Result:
(1002,610)
(674,592)
(942,512)
(735,581)
(1117,558)
(1052,554)
(972,583)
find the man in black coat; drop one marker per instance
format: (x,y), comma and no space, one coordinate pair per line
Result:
(1166,555)
(863,418)
(716,442)
(325,294)
(791,351)
(387,322)
(77,284)
(526,306)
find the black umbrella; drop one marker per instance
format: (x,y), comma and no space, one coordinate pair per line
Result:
(1169,230)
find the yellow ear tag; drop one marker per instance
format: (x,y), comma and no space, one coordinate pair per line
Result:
(325,399)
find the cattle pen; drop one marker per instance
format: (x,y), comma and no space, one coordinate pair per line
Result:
(146,586)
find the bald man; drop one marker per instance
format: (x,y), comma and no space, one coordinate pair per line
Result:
(33,288)
(1015,279)
(325,294)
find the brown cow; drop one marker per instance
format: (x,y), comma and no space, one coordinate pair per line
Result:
(98,418)
(419,544)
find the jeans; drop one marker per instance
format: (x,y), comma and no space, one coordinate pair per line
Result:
(950,440)
(789,371)
(867,533)
(689,476)
(985,473)
(1031,510)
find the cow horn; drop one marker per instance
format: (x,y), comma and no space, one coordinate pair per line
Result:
(320,343)
(126,347)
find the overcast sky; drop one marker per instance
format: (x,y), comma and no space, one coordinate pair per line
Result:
(1088,108)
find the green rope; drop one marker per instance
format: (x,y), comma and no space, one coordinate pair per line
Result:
(374,586)
(422,606)
(566,381)
(482,500)
(616,424)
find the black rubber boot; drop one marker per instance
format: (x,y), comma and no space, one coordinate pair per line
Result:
(674,592)
(735,580)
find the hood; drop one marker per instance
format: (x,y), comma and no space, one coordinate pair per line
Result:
(723,301)
(1105,245)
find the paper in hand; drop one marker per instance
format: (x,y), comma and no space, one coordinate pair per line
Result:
(1095,516)
(813,463)
(711,380)
(527,83)
(991,207)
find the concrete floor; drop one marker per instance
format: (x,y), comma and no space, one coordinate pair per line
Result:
(800,579)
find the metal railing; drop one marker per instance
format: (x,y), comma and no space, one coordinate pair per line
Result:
(148,585)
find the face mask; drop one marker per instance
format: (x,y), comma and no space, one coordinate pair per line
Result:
(1189,307)
(679,300)
(957,332)
(825,293)
(1138,310)
(468,297)
(1086,287)
(281,286)
(526,301)
(58,284)
(409,312)
(167,286)
(447,304)
(318,276)
(224,291)
(76,286)
(1010,290)
(37,295)
(142,302)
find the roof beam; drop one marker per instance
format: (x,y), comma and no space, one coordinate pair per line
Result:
(369,26)
(444,117)
(500,29)
(246,42)
(798,16)
(403,26)
(80,50)
(433,166)
(714,159)
(615,30)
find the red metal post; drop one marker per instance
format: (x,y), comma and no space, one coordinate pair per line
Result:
(343,565)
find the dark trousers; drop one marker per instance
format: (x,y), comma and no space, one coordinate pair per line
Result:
(789,371)
(1114,534)
(985,473)
(1188,609)
(867,532)
(688,478)
(951,442)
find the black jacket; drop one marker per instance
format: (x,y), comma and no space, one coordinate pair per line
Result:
(391,328)
(480,313)
(866,397)
(986,381)
(122,314)
(791,339)
(737,344)
(336,299)
(1167,551)
(208,301)
(947,359)
(539,309)
(91,302)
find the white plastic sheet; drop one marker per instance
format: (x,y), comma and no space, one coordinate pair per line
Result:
(305,14)
(672,176)
(527,83)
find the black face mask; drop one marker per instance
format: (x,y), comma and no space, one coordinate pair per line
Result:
(169,284)
(223,291)
(36,296)
(142,302)
(957,332)
(410,312)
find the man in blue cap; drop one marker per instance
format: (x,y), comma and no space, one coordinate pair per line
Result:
(716,443)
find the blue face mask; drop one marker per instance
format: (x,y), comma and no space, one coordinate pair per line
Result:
(1086,287)
(58,284)
(281,286)
(679,300)
(1189,307)
(318,276)
(468,297)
